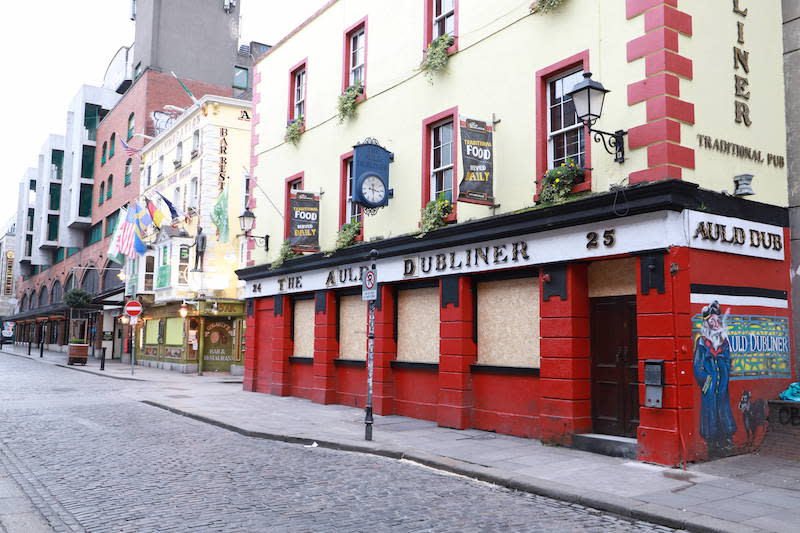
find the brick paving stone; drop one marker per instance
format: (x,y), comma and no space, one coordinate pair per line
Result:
(91,458)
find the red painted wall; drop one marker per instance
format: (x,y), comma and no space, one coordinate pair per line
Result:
(352,386)
(506,404)
(416,393)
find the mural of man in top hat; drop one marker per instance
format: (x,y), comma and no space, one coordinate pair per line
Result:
(712,368)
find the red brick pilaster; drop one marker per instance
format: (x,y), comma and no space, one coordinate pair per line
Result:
(385,352)
(326,347)
(457,351)
(663,326)
(282,345)
(250,361)
(660,89)
(565,370)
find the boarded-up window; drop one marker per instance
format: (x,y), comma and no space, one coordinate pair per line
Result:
(174,332)
(612,278)
(418,325)
(151,332)
(352,328)
(303,328)
(508,323)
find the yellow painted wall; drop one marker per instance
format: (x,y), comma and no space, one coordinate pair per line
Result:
(501,48)
(220,258)
(713,90)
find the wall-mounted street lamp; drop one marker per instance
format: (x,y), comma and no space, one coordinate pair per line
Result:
(124,319)
(183,311)
(247,221)
(588,97)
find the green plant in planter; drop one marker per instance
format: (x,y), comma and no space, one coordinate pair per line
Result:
(75,340)
(436,56)
(545,6)
(434,215)
(557,183)
(77,298)
(347,236)
(294,129)
(284,255)
(348,101)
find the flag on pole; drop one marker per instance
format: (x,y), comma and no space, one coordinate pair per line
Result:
(141,223)
(185,88)
(173,211)
(114,253)
(155,213)
(219,216)
(129,151)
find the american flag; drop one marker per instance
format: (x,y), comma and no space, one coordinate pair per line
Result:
(126,235)
(130,152)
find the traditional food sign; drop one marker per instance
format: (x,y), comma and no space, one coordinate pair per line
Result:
(304,221)
(758,346)
(477,153)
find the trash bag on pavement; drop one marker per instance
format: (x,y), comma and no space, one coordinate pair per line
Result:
(791,394)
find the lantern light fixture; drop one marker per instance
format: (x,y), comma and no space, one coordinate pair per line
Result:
(247,221)
(183,311)
(588,96)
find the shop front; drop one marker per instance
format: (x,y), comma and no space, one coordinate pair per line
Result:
(199,336)
(654,319)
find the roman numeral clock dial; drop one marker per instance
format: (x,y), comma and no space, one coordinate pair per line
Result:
(373,190)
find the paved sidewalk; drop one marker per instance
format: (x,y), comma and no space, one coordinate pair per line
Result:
(114,368)
(739,494)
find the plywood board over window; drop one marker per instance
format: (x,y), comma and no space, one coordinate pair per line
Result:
(616,277)
(352,328)
(174,335)
(508,323)
(151,332)
(418,325)
(303,328)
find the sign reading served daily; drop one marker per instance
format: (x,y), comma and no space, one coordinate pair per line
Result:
(304,221)
(477,153)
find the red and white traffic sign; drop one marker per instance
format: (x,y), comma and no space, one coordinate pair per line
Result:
(369,289)
(133,308)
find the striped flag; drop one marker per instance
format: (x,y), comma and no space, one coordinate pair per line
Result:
(129,151)
(155,213)
(173,211)
(122,241)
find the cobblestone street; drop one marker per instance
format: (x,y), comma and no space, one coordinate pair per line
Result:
(91,457)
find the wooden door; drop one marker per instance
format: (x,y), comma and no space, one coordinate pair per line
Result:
(615,383)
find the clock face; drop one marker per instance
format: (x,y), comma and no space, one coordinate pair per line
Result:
(373,190)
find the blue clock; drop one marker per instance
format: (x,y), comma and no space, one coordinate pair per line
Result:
(371,174)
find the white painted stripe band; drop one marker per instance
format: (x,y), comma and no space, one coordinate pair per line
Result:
(724,299)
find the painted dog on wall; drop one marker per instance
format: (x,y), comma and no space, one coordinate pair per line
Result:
(754,414)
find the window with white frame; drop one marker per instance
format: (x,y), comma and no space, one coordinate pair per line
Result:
(192,200)
(565,141)
(444,17)
(149,174)
(299,103)
(353,211)
(176,198)
(160,168)
(195,143)
(442,157)
(178,154)
(149,272)
(357,56)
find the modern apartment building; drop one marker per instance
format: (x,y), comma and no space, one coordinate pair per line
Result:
(139,98)
(578,293)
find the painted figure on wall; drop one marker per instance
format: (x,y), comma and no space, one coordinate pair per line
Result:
(712,367)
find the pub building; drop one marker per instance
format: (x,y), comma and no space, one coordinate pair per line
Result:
(639,312)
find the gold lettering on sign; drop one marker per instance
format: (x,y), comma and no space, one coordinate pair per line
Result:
(741,60)
(223,158)
(742,152)
(710,231)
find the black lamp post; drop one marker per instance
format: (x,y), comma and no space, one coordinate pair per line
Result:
(247,221)
(588,97)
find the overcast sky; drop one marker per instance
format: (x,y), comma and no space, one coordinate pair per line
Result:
(48,53)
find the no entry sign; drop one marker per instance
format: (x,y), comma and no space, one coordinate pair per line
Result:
(369,286)
(133,308)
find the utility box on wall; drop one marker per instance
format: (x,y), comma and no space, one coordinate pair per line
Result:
(653,382)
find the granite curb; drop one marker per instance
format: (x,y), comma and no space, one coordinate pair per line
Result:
(620,505)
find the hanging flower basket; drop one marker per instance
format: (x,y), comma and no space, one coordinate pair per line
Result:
(557,183)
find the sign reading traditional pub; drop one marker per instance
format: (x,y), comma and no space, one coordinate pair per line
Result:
(304,221)
(477,152)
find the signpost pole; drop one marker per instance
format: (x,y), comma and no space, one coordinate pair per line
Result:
(369,292)
(133,309)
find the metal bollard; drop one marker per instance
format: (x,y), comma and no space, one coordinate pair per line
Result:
(41,348)
(103,359)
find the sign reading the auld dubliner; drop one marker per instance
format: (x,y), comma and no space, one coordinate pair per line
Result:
(477,152)
(304,221)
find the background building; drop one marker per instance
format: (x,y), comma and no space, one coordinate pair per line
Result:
(139,99)
(518,316)
(8,247)
(197,164)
